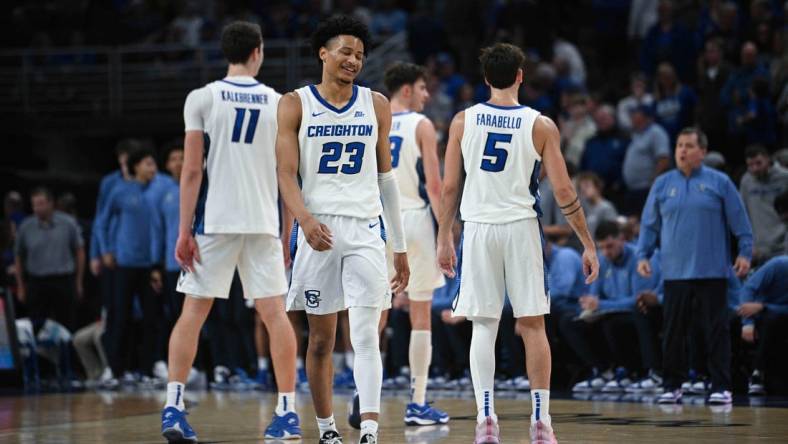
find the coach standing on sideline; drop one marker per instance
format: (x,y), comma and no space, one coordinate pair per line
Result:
(689,213)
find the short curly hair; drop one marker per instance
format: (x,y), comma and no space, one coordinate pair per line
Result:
(500,63)
(339,25)
(401,74)
(239,39)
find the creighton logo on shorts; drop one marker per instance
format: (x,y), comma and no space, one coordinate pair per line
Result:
(312,298)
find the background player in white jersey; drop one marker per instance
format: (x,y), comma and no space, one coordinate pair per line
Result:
(334,136)
(414,157)
(229,217)
(497,149)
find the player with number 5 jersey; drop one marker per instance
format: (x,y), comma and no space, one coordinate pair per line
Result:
(497,149)
(333,136)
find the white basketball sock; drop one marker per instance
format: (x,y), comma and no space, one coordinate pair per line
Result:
(367,368)
(175,391)
(540,405)
(420,354)
(285,403)
(326,424)
(482,359)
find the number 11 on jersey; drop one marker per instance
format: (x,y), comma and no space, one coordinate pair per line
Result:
(254,115)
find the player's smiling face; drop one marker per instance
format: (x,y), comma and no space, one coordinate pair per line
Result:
(343,57)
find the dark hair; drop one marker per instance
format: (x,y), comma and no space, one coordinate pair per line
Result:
(239,39)
(606,229)
(592,177)
(336,26)
(703,141)
(42,191)
(126,146)
(781,203)
(401,74)
(136,156)
(755,151)
(500,63)
(173,145)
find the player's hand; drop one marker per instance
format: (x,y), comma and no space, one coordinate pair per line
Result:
(447,318)
(447,257)
(286,252)
(400,301)
(741,266)
(589,302)
(108,260)
(590,265)
(400,281)
(749,309)
(318,236)
(187,252)
(748,333)
(646,300)
(644,268)
(95,266)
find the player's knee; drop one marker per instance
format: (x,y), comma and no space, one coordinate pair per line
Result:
(364,340)
(530,323)
(196,308)
(320,345)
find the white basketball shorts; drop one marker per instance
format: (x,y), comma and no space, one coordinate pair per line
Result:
(425,276)
(500,259)
(351,274)
(258,258)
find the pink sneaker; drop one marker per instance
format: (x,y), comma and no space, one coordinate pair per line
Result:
(487,432)
(542,433)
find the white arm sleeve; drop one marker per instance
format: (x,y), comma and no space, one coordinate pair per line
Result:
(389,192)
(196,109)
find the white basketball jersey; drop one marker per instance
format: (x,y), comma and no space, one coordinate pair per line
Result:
(501,164)
(239,191)
(406,160)
(337,147)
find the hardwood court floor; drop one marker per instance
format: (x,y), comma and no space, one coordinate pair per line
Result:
(133,417)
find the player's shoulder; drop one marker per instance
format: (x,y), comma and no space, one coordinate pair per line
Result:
(378,99)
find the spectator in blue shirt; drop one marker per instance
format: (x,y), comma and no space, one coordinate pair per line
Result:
(604,153)
(167,211)
(669,41)
(131,247)
(612,307)
(690,213)
(675,102)
(764,309)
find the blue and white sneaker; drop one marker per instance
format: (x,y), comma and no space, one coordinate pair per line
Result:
(302,382)
(175,428)
(422,415)
(286,426)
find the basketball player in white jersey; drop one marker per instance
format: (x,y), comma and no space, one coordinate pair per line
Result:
(229,218)
(414,157)
(334,137)
(497,148)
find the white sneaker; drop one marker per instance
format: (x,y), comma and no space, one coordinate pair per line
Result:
(650,384)
(590,385)
(720,398)
(617,385)
(686,386)
(699,388)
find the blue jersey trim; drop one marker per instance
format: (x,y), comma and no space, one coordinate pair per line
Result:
(331,107)
(242,85)
(199,211)
(459,273)
(545,264)
(534,187)
(503,107)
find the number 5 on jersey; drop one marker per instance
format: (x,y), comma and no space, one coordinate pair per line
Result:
(494,158)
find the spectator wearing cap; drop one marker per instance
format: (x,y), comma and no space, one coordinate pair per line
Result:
(646,158)
(764,309)
(760,186)
(690,213)
(50,262)
(604,153)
